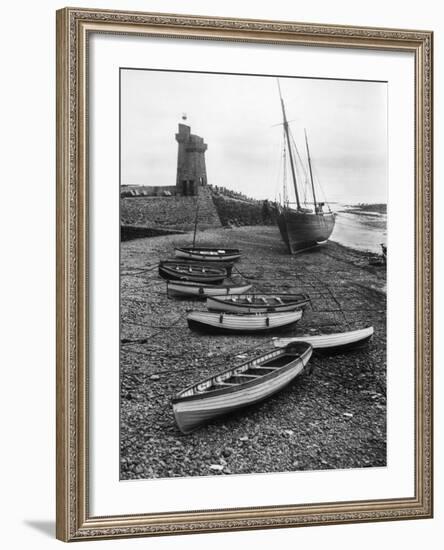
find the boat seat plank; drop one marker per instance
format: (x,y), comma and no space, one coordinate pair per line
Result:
(266,368)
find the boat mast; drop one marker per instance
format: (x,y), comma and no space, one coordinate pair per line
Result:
(287,135)
(311,173)
(195,222)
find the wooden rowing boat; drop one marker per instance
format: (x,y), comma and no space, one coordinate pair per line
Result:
(257,303)
(205,253)
(208,254)
(202,290)
(192,271)
(340,341)
(208,321)
(240,386)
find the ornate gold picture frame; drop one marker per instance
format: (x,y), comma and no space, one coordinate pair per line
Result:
(74,518)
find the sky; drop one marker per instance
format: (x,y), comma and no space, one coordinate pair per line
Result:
(240,118)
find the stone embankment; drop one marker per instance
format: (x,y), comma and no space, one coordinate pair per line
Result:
(238,212)
(175,212)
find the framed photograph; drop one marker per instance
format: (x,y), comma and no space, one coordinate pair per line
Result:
(244,274)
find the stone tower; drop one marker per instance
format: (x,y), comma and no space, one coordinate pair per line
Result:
(191,170)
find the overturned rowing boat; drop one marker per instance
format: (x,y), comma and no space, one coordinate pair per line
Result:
(184,288)
(208,321)
(258,303)
(340,341)
(208,254)
(240,386)
(193,271)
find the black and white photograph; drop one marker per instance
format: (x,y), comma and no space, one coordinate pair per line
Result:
(253,252)
(220,316)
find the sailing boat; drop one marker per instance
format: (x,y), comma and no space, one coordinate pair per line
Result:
(302,228)
(206,254)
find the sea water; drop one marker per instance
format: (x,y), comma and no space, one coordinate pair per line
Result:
(360,229)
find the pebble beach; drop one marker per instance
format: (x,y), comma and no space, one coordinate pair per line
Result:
(333,417)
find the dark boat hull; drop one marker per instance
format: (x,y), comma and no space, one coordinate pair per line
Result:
(304,230)
(171,276)
(203,328)
(193,272)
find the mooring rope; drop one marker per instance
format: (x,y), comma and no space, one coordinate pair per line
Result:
(248,277)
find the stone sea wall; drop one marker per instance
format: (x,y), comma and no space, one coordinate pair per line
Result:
(174,212)
(238,212)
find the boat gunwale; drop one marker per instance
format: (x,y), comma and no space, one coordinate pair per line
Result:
(193,283)
(212,286)
(303,213)
(248,384)
(218,270)
(226,257)
(189,249)
(223,298)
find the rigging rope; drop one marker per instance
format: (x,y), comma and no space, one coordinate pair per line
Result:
(278,180)
(318,182)
(300,167)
